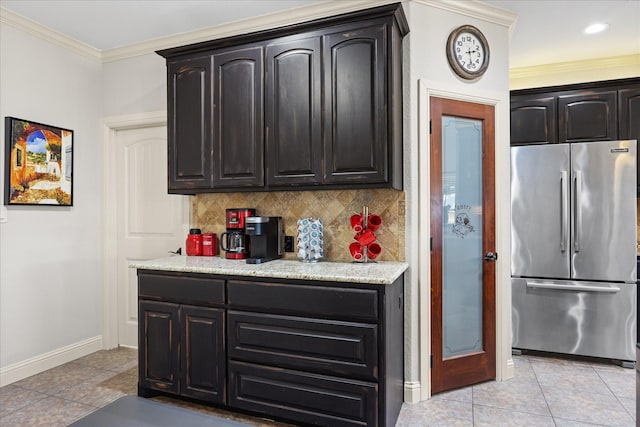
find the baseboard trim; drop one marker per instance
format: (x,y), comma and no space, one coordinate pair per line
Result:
(41,363)
(412,391)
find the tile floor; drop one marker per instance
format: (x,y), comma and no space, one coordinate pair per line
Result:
(544,392)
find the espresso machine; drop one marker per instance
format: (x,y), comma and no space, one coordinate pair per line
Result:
(267,238)
(235,241)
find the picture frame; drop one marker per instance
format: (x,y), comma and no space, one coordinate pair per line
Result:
(38,164)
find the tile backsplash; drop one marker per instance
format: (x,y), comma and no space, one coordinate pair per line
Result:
(333,207)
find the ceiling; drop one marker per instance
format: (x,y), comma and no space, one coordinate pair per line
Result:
(546,31)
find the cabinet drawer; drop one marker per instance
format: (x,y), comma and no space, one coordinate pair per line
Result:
(307,300)
(181,288)
(324,346)
(303,397)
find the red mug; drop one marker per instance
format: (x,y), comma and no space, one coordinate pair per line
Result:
(373,250)
(374,222)
(356,251)
(366,237)
(356,222)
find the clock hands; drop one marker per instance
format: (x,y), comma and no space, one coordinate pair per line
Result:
(470,53)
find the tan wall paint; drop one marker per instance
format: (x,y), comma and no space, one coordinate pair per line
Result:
(333,207)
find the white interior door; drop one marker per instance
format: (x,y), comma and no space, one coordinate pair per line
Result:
(150,222)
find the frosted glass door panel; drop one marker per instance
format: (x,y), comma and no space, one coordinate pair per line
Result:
(462,253)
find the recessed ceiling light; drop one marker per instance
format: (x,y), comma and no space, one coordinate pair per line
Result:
(596,28)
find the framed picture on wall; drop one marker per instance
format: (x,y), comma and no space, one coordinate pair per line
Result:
(38,164)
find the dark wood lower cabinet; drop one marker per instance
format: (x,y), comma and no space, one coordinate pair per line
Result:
(158,348)
(203,362)
(311,353)
(181,347)
(303,396)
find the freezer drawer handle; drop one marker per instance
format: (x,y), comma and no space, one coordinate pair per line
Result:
(576,288)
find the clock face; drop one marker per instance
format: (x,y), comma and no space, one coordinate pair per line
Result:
(468,52)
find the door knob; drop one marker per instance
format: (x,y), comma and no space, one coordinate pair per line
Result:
(490,256)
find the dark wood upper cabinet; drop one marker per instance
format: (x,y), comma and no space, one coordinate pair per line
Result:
(533,120)
(293,116)
(355,103)
(596,111)
(590,116)
(238,118)
(314,105)
(189,124)
(629,118)
(629,113)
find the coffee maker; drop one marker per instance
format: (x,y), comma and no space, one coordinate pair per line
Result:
(267,238)
(234,241)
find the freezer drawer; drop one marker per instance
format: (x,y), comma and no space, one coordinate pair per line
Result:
(583,318)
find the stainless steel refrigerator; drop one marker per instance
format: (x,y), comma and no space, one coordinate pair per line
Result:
(573,248)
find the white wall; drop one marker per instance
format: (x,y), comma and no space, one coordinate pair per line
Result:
(50,258)
(134,85)
(427,72)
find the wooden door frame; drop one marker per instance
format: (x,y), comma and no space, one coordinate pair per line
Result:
(110,127)
(421,390)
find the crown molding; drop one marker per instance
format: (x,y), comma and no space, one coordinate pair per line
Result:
(45,33)
(265,22)
(475,9)
(575,66)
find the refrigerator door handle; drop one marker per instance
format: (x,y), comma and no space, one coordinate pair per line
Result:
(575,288)
(564,211)
(577,210)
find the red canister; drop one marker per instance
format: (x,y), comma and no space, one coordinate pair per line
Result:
(209,244)
(194,242)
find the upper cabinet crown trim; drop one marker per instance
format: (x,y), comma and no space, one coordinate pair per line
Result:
(284,30)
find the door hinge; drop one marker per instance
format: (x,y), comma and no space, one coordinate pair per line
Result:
(432,360)
(431,243)
(430,127)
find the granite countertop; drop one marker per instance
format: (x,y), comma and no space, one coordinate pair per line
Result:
(381,273)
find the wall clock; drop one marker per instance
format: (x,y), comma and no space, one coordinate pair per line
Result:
(468,52)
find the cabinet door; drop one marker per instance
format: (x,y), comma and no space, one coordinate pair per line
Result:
(588,116)
(293,116)
(355,102)
(533,119)
(203,354)
(237,118)
(629,116)
(189,124)
(158,351)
